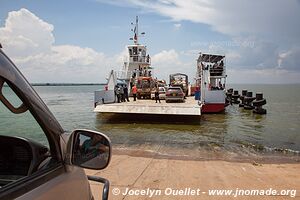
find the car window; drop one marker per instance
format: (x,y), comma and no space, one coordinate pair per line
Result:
(22,125)
(24,148)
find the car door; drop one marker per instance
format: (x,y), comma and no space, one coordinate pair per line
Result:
(50,178)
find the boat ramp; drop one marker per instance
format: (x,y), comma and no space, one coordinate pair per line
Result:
(148,107)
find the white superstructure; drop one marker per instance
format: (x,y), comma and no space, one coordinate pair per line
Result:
(138,61)
(211,76)
(137,64)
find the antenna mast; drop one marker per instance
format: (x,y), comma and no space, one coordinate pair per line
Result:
(136,35)
(136,31)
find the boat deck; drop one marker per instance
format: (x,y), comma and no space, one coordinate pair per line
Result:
(146,106)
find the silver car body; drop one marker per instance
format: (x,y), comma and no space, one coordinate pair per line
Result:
(162,93)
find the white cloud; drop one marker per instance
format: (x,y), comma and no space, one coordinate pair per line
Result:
(166,57)
(25,34)
(265,33)
(164,63)
(177,26)
(168,62)
(30,42)
(230,17)
(289,60)
(263,55)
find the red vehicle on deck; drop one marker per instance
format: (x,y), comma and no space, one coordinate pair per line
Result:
(144,87)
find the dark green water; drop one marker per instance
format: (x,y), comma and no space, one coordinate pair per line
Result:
(235,134)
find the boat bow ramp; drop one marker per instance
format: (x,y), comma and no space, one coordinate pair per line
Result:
(148,107)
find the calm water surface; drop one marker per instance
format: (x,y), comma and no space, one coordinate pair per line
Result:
(236,133)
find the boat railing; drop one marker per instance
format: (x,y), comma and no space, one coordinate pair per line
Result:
(126,75)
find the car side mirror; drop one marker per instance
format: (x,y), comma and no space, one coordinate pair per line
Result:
(90,149)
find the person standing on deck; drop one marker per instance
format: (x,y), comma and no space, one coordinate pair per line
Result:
(115,90)
(134,91)
(118,94)
(156,94)
(131,82)
(126,93)
(122,94)
(140,71)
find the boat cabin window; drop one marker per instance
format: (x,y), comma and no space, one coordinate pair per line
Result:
(134,50)
(143,53)
(130,52)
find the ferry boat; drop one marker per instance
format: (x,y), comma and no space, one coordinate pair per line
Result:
(137,70)
(211,77)
(210,88)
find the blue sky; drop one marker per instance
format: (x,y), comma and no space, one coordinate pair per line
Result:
(80,41)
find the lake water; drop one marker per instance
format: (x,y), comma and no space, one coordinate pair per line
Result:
(236,134)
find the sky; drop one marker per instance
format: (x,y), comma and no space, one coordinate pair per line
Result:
(76,41)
